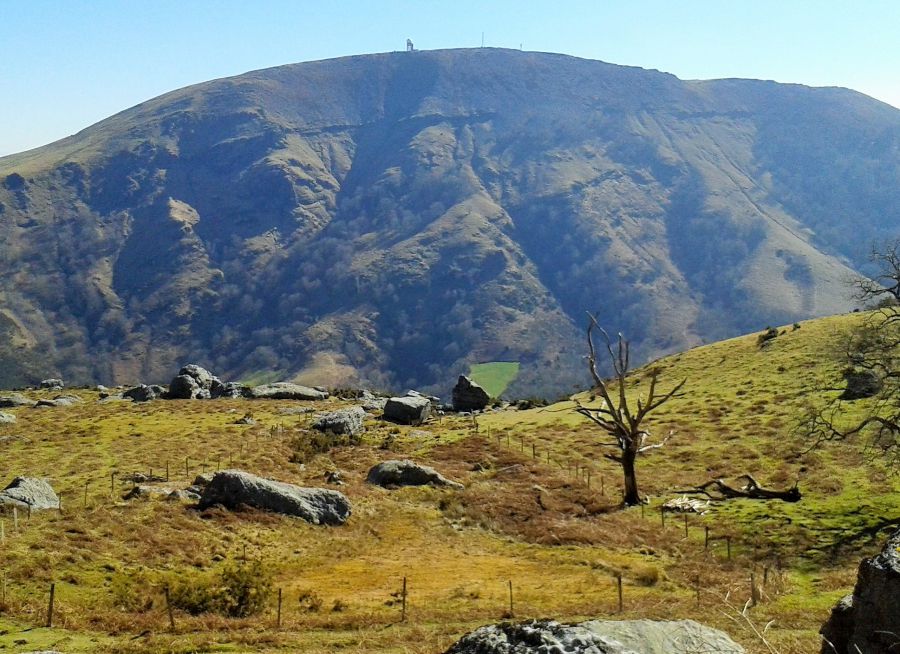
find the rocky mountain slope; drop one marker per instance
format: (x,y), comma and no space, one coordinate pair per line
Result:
(390,219)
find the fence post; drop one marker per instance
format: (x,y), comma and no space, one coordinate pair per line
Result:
(662,515)
(697,585)
(187,472)
(754,591)
(403,597)
(86,492)
(728,545)
(512,612)
(15,520)
(533,451)
(706,537)
(50,606)
(169,609)
(278,623)
(685,525)
(619,584)
(167,471)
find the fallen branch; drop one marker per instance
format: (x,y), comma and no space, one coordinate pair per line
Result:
(718,490)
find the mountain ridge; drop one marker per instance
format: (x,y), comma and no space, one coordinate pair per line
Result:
(389,219)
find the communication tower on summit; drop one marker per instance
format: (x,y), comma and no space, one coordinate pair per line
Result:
(409,45)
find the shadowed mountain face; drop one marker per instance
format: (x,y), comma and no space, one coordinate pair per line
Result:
(389,219)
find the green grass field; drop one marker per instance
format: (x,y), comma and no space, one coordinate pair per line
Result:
(540,508)
(494,377)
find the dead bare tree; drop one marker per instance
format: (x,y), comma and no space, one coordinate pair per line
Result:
(872,372)
(622,422)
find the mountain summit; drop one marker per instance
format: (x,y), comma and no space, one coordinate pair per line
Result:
(389,219)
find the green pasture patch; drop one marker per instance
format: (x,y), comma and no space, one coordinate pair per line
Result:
(494,376)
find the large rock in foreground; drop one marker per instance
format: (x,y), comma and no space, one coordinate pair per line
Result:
(868,621)
(408,410)
(407,473)
(14,400)
(596,637)
(29,492)
(286,391)
(232,488)
(469,396)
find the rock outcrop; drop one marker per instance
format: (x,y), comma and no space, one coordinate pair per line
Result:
(185,387)
(7,418)
(469,396)
(869,620)
(286,391)
(407,473)
(29,493)
(53,384)
(233,488)
(343,421)
(144,393)
(407,410)
(596,637)
(14,400)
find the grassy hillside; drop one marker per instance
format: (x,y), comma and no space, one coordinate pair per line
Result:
(525,516)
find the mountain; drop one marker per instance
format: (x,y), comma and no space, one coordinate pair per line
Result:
(389,219)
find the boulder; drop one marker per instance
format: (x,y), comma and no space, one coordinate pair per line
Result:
(144,393)
(406,473)
(52,384)
(60,400)
(228,390)
(25,492)
(186,495)
(371,402)
(343,421)
(204,378)
(233,488)
(861,384)
(596,637)
(142,491)
(7,418)
(408,410)
(185,387)
(14,400)
(469,396)
(869,619)
(286,391)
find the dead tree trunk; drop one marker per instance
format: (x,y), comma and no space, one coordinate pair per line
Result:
(718,490)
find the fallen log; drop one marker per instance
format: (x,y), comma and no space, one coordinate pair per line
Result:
(717,490)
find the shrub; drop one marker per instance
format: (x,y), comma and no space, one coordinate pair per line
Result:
(766,336)
(311,443)
(238,591)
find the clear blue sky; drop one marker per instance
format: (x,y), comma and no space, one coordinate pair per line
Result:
(65,64)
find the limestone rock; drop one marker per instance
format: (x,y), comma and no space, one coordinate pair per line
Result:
(25,492)
(7,418)
(53,384)
(144,393)
(14,400)
(596,637)
(408,410)
(469,396)
(343,421)
(869,620)
(286,391)
(233,488)
(407,473)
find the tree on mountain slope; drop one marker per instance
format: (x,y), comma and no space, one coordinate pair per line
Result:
(621,422)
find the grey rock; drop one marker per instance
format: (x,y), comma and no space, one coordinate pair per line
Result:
(186,495)
(142,491)
(226,390)
(295,410)
(869,620)
(469,396)
(14,400)
(245,420)
(406,473)
(861,384)
(286,391)
(25,492)
(144,393)
(371,402)
(7,418)
(53,384)
(408,410)
(201,375)
(61,400)
(203,479)
(184,387)
(343,421)
(596,637)
(233,488)
(334,477)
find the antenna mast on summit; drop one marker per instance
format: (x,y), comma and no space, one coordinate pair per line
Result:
(409,45)
(482,39)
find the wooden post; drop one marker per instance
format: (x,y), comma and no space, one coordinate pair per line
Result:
(218,463)
(765,575)
(15,520)
(728,545)
(619,584)
(589,478)
(59,496)
(548,457)
(187,472)
(167,471)
(245,552)
(507,440)
(50,606)
(169,609)
(112,483)
(403,599)
(512,612)
(685,525)
(706,537)
(697,586)
(754,591)
(533,451)
(2,531)
(662,516)
(278,623)
(602,485)
(522,444)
